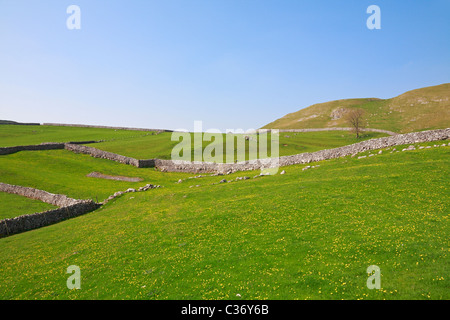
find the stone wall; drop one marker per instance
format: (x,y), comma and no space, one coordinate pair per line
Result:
(188,166)
(39,147)
(78,148)
(373,144)
(204,167)
(28,222)
(96,153)
(43,146)
(69,208)
(149,163)
(85,142)
(58,200)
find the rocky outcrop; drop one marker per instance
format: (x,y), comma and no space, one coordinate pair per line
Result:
(338,113)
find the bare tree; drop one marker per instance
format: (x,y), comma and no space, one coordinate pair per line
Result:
(355,119)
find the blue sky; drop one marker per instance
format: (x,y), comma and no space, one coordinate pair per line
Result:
(229,63)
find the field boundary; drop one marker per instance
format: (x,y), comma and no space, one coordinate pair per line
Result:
(69,208)
(59,200)
(209,167)
(353,149)
(97,153)
(205,167)
(41,147)
(9,227)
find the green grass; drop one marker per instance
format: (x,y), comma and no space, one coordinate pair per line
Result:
(160,146)
(303,235)
(145,145)
(13,205)
(64,172)
(14,135)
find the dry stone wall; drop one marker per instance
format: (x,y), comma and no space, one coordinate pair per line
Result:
(96,153)
(43,146)
(40,147)
(373,144)
(69,208)
(58,200)
(205,167)
(28,222)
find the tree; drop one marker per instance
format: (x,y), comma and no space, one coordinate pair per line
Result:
(355,119)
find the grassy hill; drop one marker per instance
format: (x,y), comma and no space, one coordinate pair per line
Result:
(416,110)
(8,122)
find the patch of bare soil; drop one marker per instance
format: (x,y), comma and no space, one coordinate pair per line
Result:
(109,177)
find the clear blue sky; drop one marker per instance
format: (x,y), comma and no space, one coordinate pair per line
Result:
(230,63)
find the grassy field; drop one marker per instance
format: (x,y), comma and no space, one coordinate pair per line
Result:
(16,135)
(160,146)
(64,172)
(303,235)
(13,205)
(146,145)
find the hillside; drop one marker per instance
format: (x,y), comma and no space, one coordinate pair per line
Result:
(7,122)
(416,110)
(18,123)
